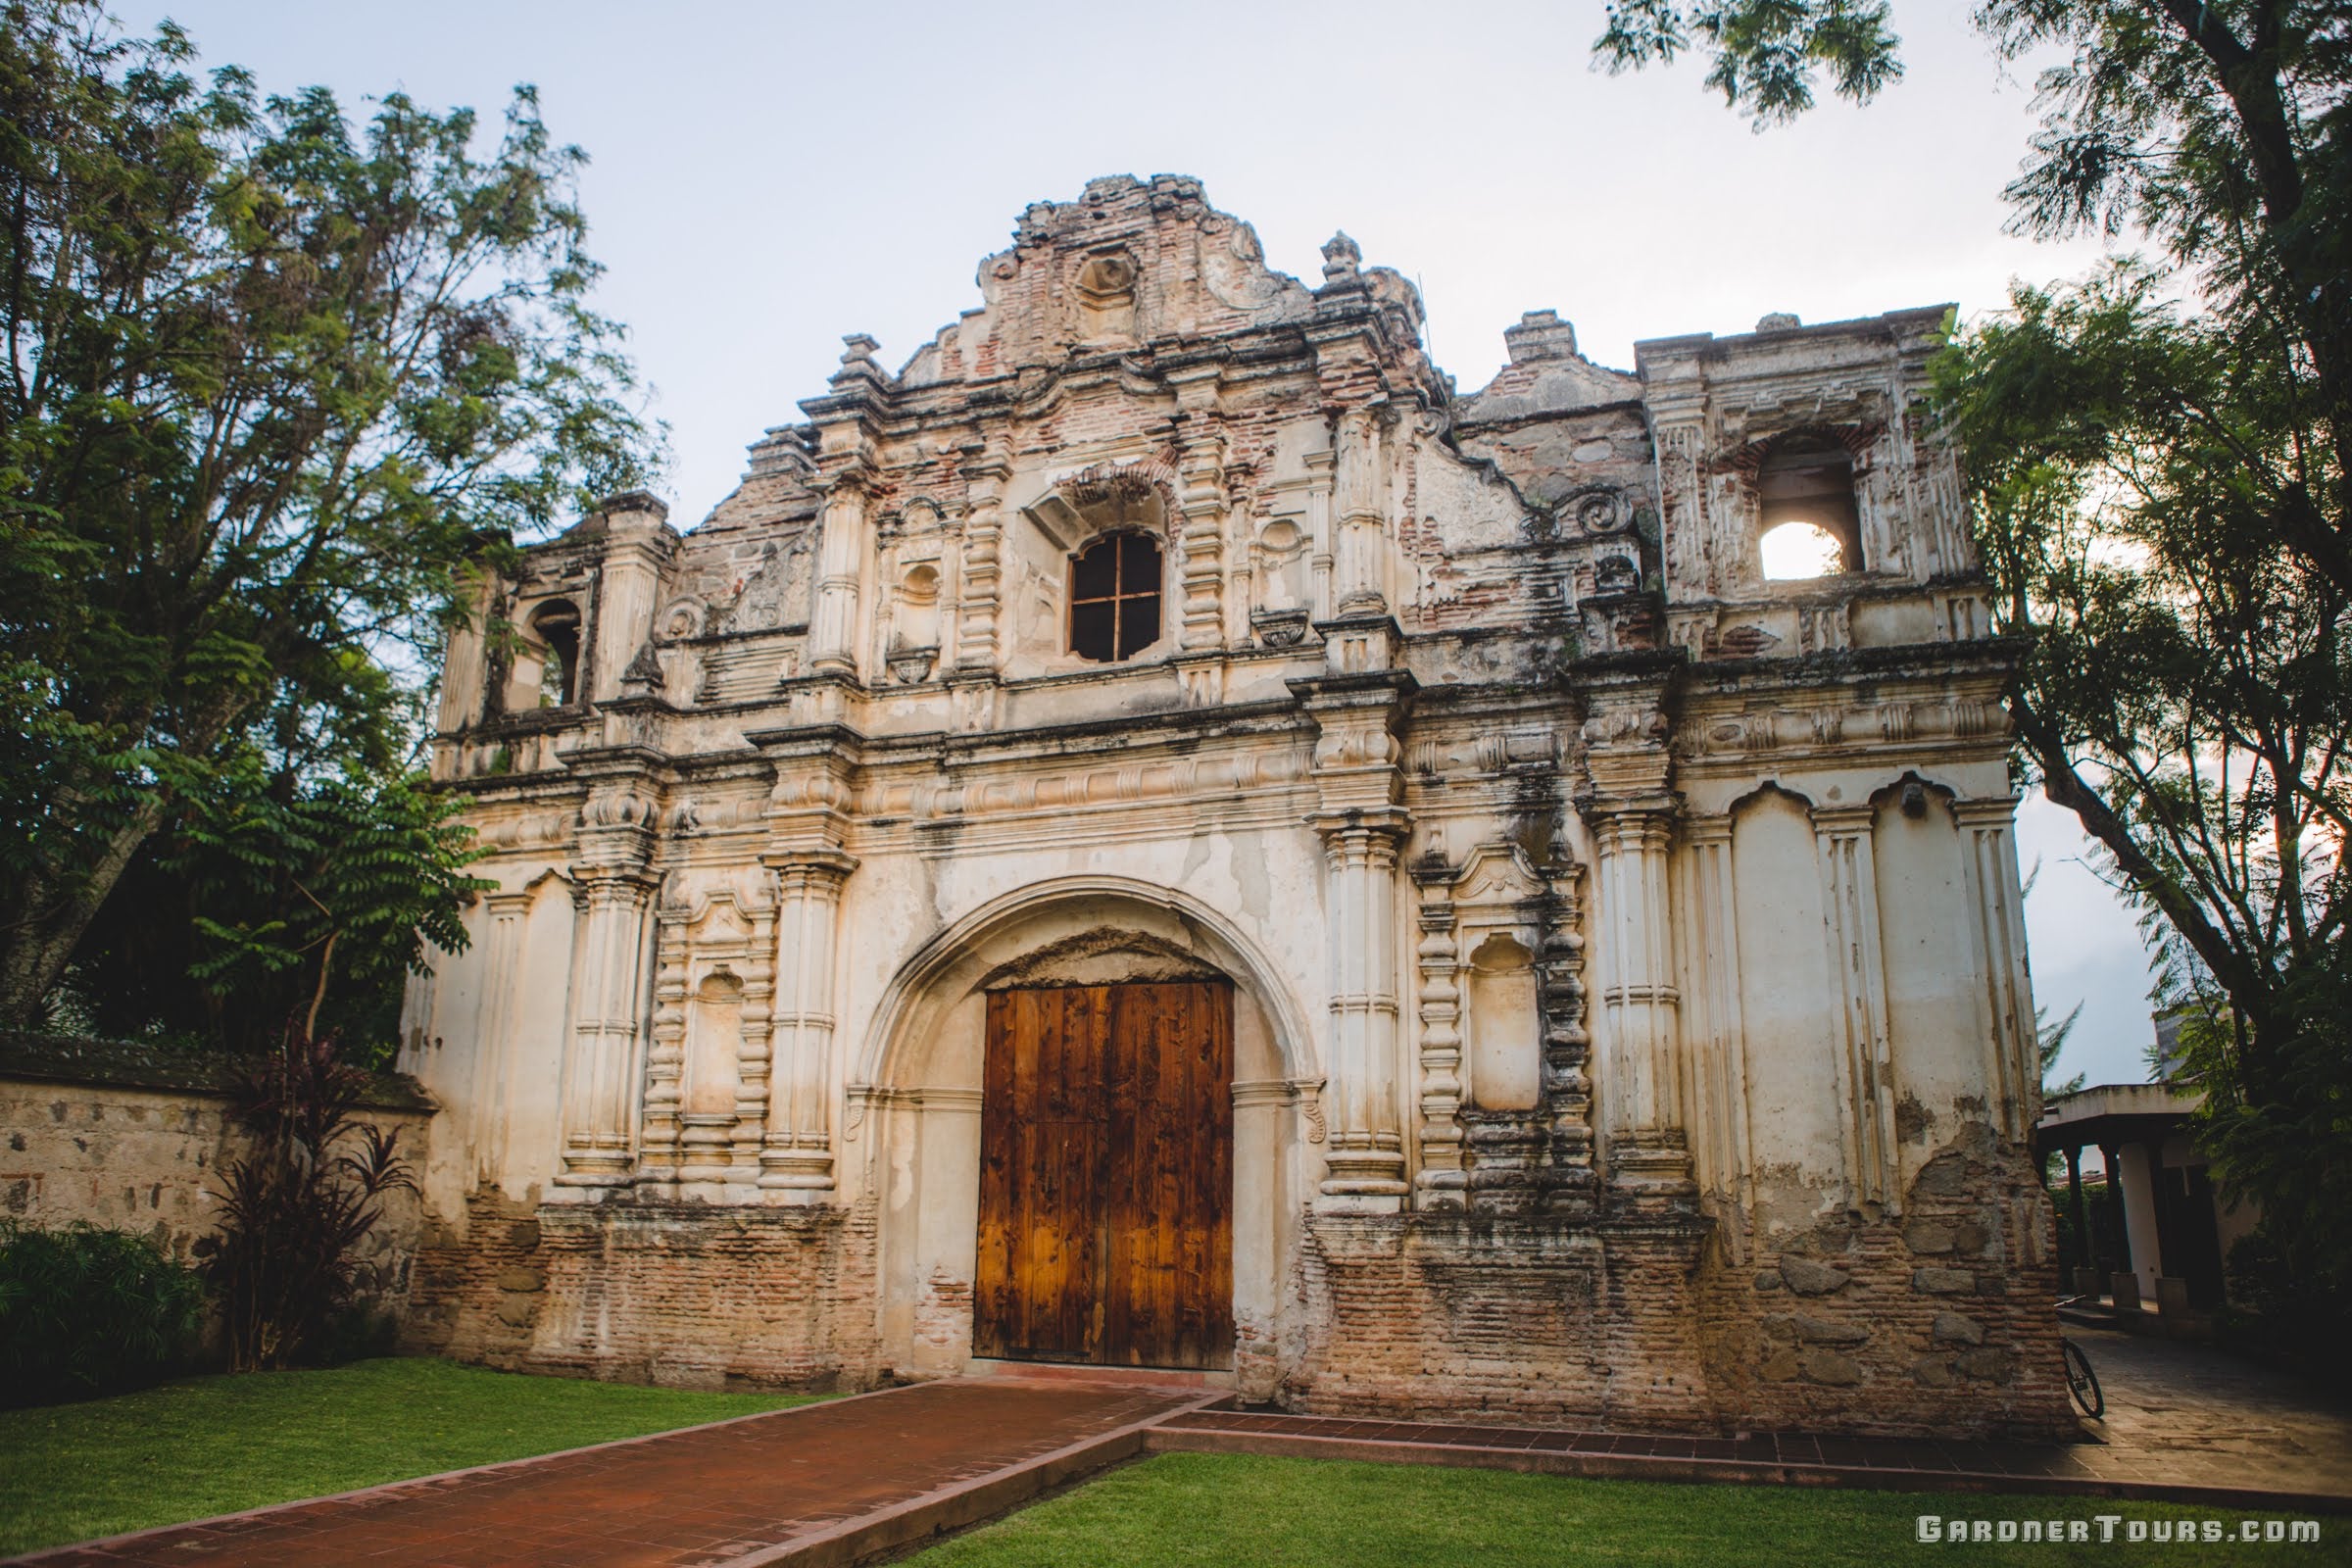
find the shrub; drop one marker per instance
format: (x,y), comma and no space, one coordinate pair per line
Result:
(294,1211)
(86,1312)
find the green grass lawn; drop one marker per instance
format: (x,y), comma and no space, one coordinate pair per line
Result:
(216,1445)
(1224,1509)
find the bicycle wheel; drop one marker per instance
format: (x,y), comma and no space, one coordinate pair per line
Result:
(2083,1380)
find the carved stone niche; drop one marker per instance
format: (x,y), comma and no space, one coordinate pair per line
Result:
(1106,288)
(1524,1105)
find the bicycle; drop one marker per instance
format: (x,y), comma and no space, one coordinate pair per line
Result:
(2080,1381)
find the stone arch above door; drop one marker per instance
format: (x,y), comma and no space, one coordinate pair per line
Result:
(1079,930)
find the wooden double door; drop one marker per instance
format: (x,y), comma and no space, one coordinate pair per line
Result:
(1107,1176)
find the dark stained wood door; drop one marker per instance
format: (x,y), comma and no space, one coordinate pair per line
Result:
(1107,1176)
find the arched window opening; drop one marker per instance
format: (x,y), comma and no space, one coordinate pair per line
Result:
(1809,526)
(555,627)
(1114,598)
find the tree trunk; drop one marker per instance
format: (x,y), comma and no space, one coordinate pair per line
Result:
(35,949)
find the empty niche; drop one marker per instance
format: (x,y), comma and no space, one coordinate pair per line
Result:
(1282,562)
(714,1035)
(1505,1063)
(917,619)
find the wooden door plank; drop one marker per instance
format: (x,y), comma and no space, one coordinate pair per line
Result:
(993,1292)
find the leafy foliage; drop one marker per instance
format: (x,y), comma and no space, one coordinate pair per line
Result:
(295,1210)
(273,381)
(265,898)
(85,1310)
(2187,693)
(1764,54)
(2049,1039)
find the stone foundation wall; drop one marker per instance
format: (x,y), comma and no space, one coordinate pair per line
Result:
(132,1138)
(1503,1318)
(1939,1322)
(681,1295)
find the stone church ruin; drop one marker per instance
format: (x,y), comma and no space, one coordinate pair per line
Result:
(1162,834)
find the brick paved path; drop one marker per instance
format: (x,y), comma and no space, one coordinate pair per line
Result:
(830,1482)
(738,1493)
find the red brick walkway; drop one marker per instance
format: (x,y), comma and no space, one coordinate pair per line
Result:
(836,1477)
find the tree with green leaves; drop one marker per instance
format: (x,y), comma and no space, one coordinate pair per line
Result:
(2160,492)
(274,380)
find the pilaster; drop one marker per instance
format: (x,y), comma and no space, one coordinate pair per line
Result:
(494,1033)
(797,1161)
(2005,1007)
(808,818)
(611,968)
(1849,898)
(1630,812)
(1711,1016)
(1363,827)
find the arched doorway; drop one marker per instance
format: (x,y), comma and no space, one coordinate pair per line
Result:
(1247,1126)
(1105,1231)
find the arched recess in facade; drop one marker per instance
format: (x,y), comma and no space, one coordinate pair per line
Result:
(914,1099)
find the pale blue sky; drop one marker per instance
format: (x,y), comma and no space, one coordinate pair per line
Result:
(768,177)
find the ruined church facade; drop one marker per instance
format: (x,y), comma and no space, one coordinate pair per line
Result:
(1161,833)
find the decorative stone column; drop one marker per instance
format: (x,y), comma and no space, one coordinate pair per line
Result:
(611,971)
(658,1152)
(1441,1181)
(2005,1010)
(1849,899)
(1319,467)
(1366,1150)
(841,572)
(756,1052)
(985,471)
(1363,827)
(1631,814)
(1201,503)
(1362,553)
(1643,1078)
(847,420)
(798,1156)
(637,547)
(808,818)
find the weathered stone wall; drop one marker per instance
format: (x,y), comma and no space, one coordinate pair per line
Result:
(131,1137)
(680,1295)
(1936,1325)
(1634,939)
(1505,1319)
(1943,1315)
